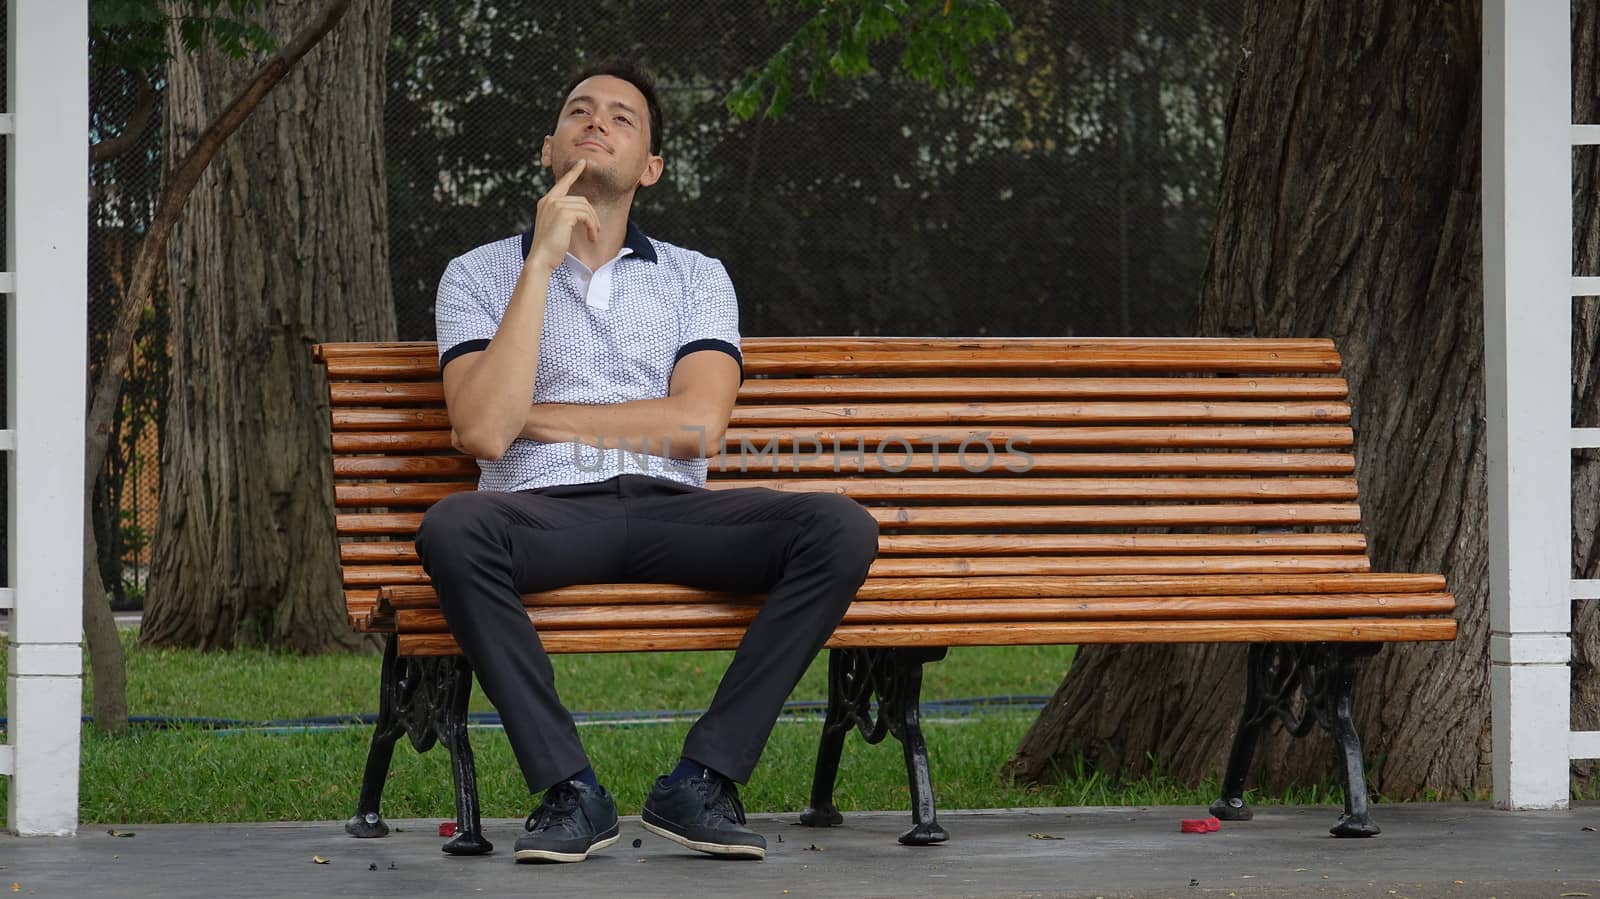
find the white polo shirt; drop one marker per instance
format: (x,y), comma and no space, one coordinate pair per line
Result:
(610,336)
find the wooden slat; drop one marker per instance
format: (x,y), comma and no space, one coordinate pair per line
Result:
(1005,517)
(965,413)
(392,552)
(912,588)
(1202,515)
(1118,346)
(1029,544)
(950,462)
(1109,352)
(424,419)
(748,442)
(947,464)
(992,566)
(405,495)
(376,523)
(1160,608)
(889,389)
(407,466)
(797,390)
(391,442)
(961,546)
(433,433)
(961,359)
(397,393)
(993,489)
(1358,630)
(1001,566)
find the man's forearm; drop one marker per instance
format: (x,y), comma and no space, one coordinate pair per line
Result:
(487,408)
(671,426)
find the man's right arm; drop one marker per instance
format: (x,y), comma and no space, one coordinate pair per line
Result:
(488,392)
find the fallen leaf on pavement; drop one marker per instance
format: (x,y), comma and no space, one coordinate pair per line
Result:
(320,860)
(1044,836)
(120,833)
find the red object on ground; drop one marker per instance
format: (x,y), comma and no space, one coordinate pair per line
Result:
(447,829)
(1199,825)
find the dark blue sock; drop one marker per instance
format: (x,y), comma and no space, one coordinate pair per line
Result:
(688,767)
(586,776)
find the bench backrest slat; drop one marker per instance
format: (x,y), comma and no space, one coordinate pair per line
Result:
(1038,458)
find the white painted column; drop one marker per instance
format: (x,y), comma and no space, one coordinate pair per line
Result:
(1527,263)
(47,98)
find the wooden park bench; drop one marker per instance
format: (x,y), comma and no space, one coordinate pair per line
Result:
(1028,491)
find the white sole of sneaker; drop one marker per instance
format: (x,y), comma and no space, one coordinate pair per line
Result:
(720,849)
(545,855)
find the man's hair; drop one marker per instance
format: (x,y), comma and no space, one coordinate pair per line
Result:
(627,71)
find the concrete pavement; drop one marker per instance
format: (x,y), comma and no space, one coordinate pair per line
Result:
(1426,850)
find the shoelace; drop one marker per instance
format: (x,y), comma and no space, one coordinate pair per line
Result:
(718,793)
(560,801)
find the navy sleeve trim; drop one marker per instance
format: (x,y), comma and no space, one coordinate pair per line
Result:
(721,346)
(462,349)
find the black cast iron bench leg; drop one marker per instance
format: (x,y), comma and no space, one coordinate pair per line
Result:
(425,699)
(894,677)
(1322,675)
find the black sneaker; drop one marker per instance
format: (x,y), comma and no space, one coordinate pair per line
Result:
(574,820)
(702,813)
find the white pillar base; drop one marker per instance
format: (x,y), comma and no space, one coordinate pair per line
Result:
(1530,682)
(43,711)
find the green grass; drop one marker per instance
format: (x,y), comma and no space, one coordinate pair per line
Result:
(190,773)
(259,685)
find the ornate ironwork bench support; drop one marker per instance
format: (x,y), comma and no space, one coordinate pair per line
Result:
(1323,676)
(426,700)
(894,676)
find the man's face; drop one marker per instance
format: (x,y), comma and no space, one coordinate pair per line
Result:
(605,121)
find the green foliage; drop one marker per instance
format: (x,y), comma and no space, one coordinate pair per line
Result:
(835,41)
(132,34)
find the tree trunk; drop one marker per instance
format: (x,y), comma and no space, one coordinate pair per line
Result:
(1349,207)
(285,244)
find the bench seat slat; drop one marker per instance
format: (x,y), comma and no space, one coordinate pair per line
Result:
(1056,587)
(998,566)
(1174,608)
(992,489)
(1348,630)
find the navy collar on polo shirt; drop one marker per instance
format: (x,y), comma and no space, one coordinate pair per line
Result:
(635,241)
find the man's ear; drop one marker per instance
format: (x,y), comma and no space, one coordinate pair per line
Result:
(652,171)
(544,152)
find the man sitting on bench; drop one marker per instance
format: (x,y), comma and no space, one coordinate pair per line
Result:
(628,349)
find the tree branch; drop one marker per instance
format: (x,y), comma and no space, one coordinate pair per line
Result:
(180,184)
(105,652)
(138,120)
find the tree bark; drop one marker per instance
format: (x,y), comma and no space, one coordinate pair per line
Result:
(285,245)
(110,698)
(1349,207)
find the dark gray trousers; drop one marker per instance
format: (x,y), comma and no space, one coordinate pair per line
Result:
(808,552)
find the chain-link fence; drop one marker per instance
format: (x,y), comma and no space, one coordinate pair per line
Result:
(1069,191)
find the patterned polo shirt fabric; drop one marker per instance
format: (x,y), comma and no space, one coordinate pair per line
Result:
(665,302)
